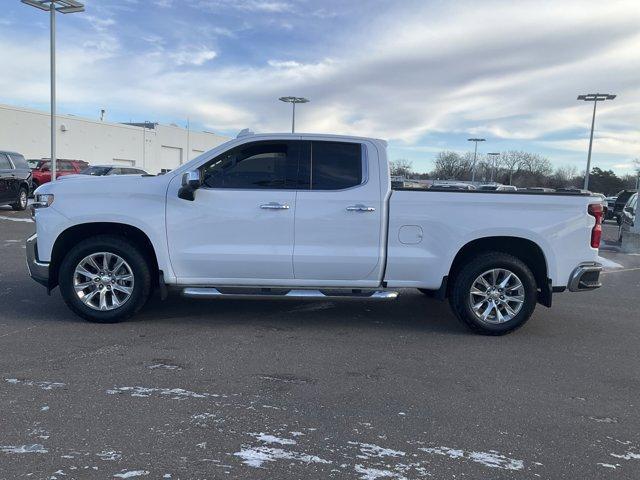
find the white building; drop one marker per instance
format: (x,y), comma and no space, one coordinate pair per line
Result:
(152,148)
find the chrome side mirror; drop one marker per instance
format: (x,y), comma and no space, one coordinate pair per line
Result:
(191,181)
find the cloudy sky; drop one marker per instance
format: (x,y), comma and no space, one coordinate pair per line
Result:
(423,74)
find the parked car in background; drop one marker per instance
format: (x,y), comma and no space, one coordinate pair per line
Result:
(611,201)
(621,200)
(536,189)
(452,186)
(628,216)
(309,216)
(497,187)
(41,169)
(15,180)
(104,170)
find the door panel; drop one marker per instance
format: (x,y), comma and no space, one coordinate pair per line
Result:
(239,228)
(225,234)
(6,180)
(338,233)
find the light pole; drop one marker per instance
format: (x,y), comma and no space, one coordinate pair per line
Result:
(293,101)
(595,98)
(494,163)
(62,6)
(475,154)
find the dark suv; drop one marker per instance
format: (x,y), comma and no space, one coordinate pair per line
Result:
(621,200)
(15,180)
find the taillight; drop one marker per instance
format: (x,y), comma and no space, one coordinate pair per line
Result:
(595,210)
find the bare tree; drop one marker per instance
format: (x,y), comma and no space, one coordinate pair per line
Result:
(452,166)
(401,168)
(512,161)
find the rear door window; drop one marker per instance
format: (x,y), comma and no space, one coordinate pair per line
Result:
(335,165)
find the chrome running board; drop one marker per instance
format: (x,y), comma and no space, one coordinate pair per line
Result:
(212,292)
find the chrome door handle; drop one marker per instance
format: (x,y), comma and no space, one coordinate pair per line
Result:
(274,206)
(360,208)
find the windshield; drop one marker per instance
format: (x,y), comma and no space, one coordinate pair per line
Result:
(97,171)
(33,163)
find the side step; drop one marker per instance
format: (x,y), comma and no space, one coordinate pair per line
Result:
(211,292)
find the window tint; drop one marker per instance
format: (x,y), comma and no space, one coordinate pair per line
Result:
(115,171)
(65,166)
(335,165)
(19,161)
(258,165)
(4,162)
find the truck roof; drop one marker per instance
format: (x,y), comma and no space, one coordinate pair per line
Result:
(294,136)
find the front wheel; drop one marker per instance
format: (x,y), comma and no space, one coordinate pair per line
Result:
(21,202)
(105,279)
(494,294)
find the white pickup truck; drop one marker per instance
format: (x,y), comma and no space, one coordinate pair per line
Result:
(311,216)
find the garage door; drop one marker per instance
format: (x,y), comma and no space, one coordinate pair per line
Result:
(170,157)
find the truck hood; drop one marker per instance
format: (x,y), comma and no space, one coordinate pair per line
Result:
(94,186)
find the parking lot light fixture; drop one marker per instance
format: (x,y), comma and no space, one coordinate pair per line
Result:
(293,101)
(53,6)
(595,98)
(494,164)
(475,154)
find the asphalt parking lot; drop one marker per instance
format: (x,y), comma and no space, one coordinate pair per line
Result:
(330,389)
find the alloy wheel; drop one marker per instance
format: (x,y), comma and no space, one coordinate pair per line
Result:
(103,281)
(496,296)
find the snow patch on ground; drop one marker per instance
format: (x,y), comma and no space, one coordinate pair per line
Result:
(627,456)
(164,366)
(257,456)
(131,474)
(369,450)
(109,455)
(490,459)
(375,473)
(35,448)
(267,438)
(31,383)
(607,465)
(174,393)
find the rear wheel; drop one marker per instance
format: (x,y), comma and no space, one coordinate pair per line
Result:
(21,201)
(105,279)
(494,294)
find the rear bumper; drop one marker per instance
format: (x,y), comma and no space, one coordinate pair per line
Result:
(39,271)
(586,276)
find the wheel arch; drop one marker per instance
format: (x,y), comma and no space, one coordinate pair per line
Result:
(72,235)
(524,249)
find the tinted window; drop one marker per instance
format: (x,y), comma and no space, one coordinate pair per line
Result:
(115,171)
(65,166)
(4,162)
(258,165)
(335,165)
(18,161)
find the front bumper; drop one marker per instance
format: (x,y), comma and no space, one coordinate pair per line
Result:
(586,276)
(39,271)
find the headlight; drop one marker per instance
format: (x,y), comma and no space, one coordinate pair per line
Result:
(43,200)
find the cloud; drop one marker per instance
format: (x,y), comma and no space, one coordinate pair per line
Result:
(193,56)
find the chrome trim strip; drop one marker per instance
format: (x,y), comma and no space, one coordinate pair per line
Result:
(211,292)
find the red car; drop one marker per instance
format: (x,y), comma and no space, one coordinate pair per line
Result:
(41,169)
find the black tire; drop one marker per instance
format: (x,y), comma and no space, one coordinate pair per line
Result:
(116,245)
(22,201)
(464,279)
